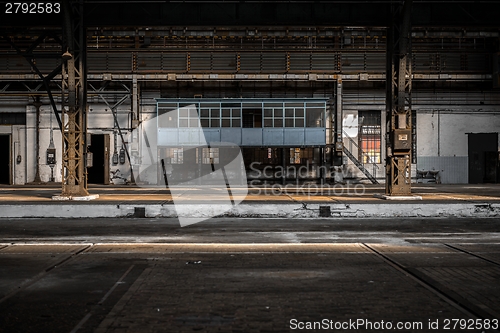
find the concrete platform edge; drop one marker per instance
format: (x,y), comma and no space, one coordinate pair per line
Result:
(292,210)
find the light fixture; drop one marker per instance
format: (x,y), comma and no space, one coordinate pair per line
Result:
(66,55)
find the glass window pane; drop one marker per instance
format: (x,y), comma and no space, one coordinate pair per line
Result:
(278,122)
(229,105)
(193,122)
(236,113)
(289,122)
(183,123)
(168,106)
(168,120)
(299,122)
(226,113)
(236,122)
(314,117)
(278,113)
(180,156)
(316,105)
(226,123)
(299,112)
(209,105)
(205,122)
(174,155)
(214,123)
(268,123)
(370,136)
(204,113)
(184,112)
(268,113)
(162,111)
(214,113)
(273,105)
(249,105)
(289,113)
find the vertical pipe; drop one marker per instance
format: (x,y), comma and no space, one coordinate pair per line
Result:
(439,133)
(26,153)
(135,97)
(11,158)
(338,123)
(37,105)
(321,164)
(283,164)
(199,160)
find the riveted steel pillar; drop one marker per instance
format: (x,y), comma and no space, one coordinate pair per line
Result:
(398,98)
(339,118)
(37,105)
(74,96)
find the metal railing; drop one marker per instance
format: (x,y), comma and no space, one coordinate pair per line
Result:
(373,175)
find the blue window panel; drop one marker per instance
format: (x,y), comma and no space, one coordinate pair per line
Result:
(294,137)
(273,137)
(232,135)
(251,137)
(315,136)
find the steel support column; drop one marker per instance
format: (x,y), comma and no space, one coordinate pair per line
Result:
(135,99)
(37,104)
(398,116)
(74,96)
(339,115)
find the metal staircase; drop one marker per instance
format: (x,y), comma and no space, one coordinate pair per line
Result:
(358,163)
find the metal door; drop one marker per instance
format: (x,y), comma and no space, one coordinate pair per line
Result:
(5,160)
(481,145)
(106,158)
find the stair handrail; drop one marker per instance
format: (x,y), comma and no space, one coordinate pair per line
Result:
(360,150)
(361,166)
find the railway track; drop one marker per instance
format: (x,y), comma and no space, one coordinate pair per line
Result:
(473,310)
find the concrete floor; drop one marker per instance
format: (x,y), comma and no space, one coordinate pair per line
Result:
(358,193)
(343,201)
(247,275)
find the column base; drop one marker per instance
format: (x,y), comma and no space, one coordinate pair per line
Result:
(75,197)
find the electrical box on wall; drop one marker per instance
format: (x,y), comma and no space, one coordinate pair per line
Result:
(402,139)
(122,156)
(51,156)
(90,159)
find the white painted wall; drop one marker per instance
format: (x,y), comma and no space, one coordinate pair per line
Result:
(441,133)
(100,121)
(442,125)
(442,142)
(18,149)
(443,119)
(30,143)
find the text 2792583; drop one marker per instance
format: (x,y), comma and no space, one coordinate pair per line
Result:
(32,8)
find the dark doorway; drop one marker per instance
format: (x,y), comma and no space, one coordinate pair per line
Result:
(99,147)
(252,118)
(483,158)
(490,166)
(5,159)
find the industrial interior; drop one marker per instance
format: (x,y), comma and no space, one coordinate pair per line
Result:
(394,92)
